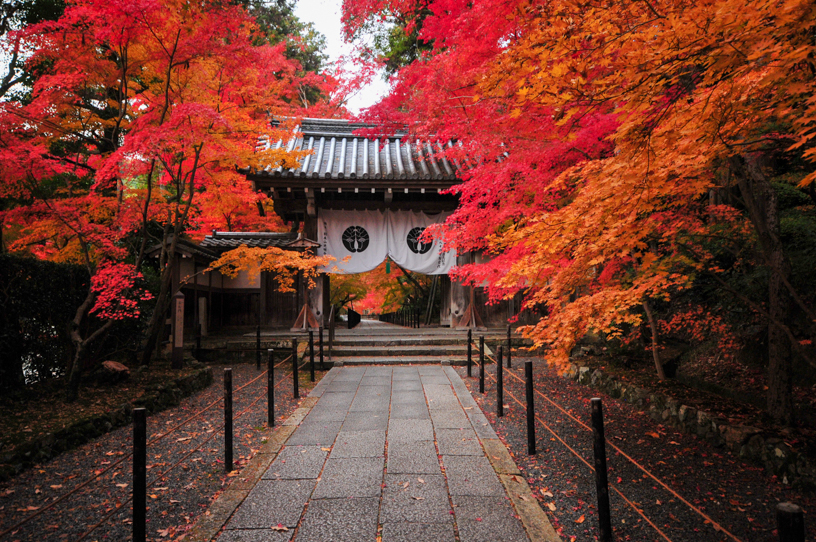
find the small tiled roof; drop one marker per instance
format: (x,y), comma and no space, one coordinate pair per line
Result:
(227,240)
(338,154)
(185,247)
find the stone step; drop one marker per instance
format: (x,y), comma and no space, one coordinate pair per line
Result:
(398,360)
(400,350)
(356,342)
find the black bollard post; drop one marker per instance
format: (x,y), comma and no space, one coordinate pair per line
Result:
(499,384)
(470,352)
(139,474)
(481,364)
(601,483)
(311,356)
(295,382)
(320,344)
(228,420)
(509,347)
(531,442)
(790,522)
(270,389)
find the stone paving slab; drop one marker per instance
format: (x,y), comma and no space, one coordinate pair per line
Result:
(471,475)
(365,421)
(409,430)
(350,477)
(340,520)
(449,419)
(408,384)
(411,411)
(480,518)
(272,502)
(297,462)
(316,434)
(458,442)
(374,380)
(369,403)
(369,457)
(321,386)
(256,535)
(359,444)
(323,414)
(417,458)
(344,386)
(408,498)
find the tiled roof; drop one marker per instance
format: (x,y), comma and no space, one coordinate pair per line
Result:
(226,240)
(338,154)
(185,247)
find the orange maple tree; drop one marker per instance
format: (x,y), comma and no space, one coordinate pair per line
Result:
(598,136)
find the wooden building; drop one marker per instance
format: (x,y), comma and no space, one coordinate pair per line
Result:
(344,172)
(353,173)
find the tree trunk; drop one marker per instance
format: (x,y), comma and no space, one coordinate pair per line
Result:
(759,198)
(661,374)
(157,319)
(81,345)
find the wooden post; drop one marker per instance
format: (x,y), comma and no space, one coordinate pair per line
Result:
(295,383)
(270,389)
(139,474)
(499,384)
(481,364)
(469,352)
(177,356)
(320,345)
(311,357)
(790,522)
(601,483)
(228,420)
(509,347)
(531,442)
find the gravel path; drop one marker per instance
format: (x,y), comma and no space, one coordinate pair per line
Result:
(174,499)
(738,496)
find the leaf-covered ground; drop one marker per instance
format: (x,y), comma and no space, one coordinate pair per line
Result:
(191,457)
(726,388)
(738,496)
(43,408)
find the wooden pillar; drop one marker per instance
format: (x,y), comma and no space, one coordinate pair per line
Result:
(263,293)
(195,295)
(177,317)
(209,301)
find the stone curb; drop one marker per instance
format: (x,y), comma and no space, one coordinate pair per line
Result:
(223,507)
(535,521)
(749,443)
(528,509)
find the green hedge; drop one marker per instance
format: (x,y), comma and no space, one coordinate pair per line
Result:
(37,301)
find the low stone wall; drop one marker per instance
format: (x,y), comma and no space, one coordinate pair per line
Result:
(749,443)
(50,445)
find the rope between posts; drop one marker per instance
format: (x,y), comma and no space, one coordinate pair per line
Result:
(579,456)
(716,525)
(163,474)
(125,458)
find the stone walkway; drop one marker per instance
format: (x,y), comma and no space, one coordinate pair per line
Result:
(396,452)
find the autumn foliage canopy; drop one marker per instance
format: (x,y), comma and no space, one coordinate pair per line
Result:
(598,136)
(140,113)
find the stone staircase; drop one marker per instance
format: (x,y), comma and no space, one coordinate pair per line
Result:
(386,344)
